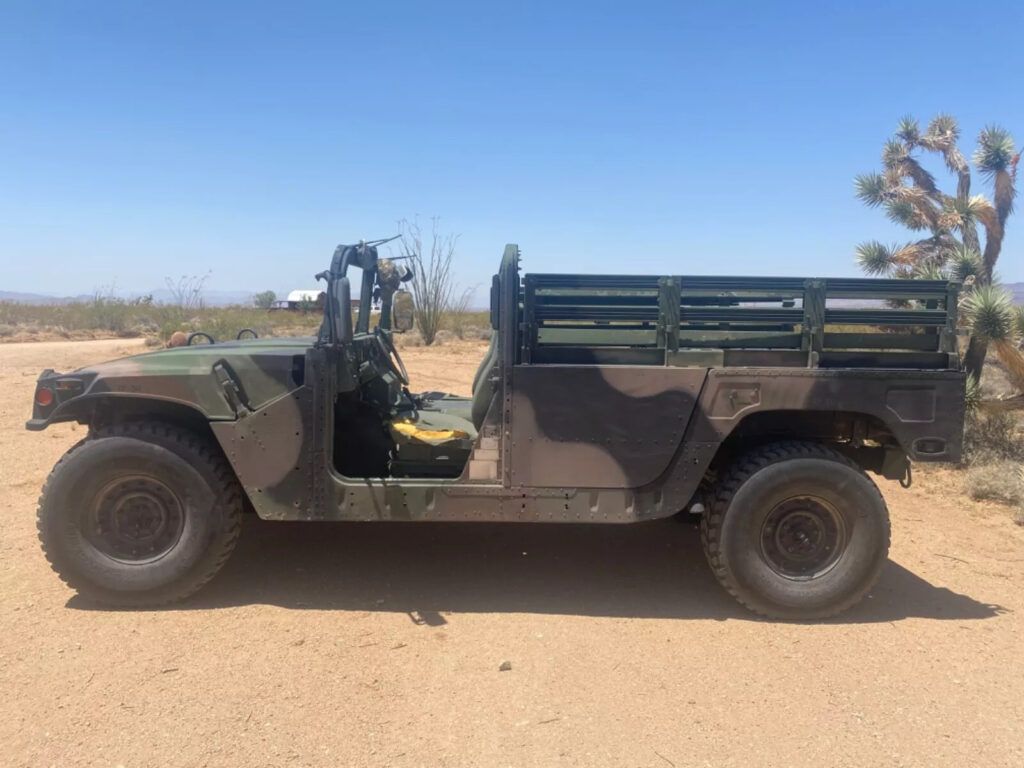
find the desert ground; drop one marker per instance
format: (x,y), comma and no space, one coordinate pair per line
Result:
(365,644)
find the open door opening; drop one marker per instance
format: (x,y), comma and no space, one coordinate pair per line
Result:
(381,429)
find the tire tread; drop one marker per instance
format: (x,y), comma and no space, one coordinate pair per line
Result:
(199,451)
(730,482)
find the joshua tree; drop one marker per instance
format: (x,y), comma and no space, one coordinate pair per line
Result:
(910,196)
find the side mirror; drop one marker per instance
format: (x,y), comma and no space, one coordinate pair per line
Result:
(403,311)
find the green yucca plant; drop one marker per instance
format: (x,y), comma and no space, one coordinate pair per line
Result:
(992,318)
(972,395)
(989,311)
(995,151)
(930,272)
(964,263)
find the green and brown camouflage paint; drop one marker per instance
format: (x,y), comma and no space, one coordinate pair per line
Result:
(617,423)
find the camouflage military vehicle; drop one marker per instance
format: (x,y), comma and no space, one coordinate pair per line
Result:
(759,403)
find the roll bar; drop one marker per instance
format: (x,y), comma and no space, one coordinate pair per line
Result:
(337,327)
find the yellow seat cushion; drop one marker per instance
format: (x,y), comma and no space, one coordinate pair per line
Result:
(416,431)
(430,427)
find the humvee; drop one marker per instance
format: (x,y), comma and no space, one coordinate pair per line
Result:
(758,403)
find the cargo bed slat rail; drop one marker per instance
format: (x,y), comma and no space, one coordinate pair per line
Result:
(712,320)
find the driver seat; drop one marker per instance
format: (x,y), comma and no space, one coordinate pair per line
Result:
(472,409)
(436,439)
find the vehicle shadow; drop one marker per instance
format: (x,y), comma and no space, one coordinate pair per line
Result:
(650,570)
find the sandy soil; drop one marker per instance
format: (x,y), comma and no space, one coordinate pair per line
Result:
(332,645)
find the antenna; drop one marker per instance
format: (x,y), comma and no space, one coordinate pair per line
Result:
(381,241)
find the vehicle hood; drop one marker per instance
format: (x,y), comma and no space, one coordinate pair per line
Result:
(259,370)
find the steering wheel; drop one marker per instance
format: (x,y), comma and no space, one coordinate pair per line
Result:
(197,334)
(247,330)
(391,357)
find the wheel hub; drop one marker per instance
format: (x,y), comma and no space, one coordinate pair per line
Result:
(135,519)
(802,538)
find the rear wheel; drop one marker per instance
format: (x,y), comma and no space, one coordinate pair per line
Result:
(141,514)
(796,531)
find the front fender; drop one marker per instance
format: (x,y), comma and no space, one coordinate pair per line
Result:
(219,381)
(75,396)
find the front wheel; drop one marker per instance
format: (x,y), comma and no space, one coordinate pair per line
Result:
(796,531)
(143,514)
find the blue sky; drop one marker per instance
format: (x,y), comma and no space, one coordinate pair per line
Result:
(139,140)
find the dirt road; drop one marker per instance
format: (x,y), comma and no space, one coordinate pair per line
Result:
(338,645)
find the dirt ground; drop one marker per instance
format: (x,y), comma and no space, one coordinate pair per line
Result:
(366,644)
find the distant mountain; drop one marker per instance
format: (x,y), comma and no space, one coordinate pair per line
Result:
(39,298)
(1017,291)
(162,296)
(210,298)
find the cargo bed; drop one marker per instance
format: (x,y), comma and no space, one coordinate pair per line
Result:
(739,321)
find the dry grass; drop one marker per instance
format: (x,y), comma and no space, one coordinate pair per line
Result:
(995,481)
(467,325)
(993,436)
(118,318)
(107,318)
(995,382)
(1011,357)
(994,455)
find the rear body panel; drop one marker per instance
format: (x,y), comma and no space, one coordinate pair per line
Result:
(924,410)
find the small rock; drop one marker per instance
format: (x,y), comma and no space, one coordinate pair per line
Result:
(505,666)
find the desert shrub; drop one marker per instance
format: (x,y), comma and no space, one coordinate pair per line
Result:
(145,328)
(106,314)
(996,481)
(410,339)
(464,321)
(1018,512)
(995,382)
(264,299)
(458,316)
(187,291)
(120,317)
(475,332)
(992,436)
(225,325)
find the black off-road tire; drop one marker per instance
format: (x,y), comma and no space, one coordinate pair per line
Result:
(740,531)
(181,475)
